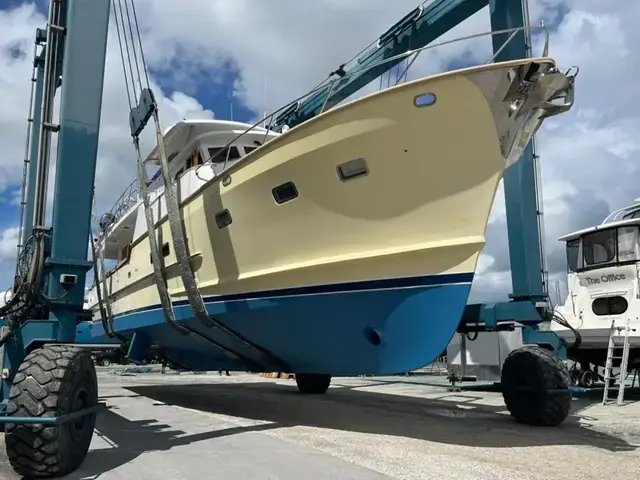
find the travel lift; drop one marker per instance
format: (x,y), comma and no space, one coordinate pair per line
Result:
(49,385)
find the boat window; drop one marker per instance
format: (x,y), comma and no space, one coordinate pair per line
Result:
(284,193)
(124,253)
(633,214)
(607,247)
(247,150)
(628,244)
(599,247)
(194,159)
(220,154)
(609,306)
(573,249)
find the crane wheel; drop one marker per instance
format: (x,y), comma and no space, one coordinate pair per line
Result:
(588,379)
(528,374)
(575,376)
(51,381)
(313,383)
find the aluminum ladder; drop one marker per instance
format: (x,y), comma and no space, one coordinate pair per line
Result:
(615,335)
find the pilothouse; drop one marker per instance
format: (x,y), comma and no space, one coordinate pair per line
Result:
(190,144)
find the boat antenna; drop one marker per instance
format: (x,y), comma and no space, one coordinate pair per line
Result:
(264,105)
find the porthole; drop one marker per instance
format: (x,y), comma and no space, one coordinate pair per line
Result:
(424,100)
(223,219)
(284,193)
(609,306)
(352,169)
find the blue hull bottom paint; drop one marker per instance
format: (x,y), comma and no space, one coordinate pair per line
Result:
(377,327)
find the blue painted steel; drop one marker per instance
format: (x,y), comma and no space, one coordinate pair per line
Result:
(30,335)
(383,326)
(521,203)
(520,179)
(27,221)
(533,336)
(83,72)
(490,315)
(83,335)
(52,420)
(412,32)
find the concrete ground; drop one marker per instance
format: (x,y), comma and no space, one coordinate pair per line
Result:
(248,427)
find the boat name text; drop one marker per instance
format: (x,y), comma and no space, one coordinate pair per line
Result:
(612,277)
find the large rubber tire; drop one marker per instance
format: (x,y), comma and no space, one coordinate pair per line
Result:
(313,383)
(575,376)
(588,379)
(527,374)
(51,381)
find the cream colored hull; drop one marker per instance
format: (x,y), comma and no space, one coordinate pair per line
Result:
(421,210)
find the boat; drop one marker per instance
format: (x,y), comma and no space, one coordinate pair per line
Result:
(346,244)
(603,265)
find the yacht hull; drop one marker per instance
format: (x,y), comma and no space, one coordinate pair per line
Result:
(352,255)
(379,327)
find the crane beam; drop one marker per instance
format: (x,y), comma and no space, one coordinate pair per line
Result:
(420,27)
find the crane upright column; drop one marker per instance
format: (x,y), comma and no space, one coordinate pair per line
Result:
(520,179)
(84,60)
(48,434)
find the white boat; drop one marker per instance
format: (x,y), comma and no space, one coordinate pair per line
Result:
(603,282)
(347,244)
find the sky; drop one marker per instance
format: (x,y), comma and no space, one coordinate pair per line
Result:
(211,57)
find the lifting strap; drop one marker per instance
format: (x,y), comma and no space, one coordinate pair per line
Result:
(144,108)
(177,232)
(158,267)
(181,248)
(99,276)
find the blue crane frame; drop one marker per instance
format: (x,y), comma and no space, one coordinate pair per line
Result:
(82,65)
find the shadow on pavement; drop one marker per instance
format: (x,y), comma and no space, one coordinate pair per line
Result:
(454,421)
(131,438)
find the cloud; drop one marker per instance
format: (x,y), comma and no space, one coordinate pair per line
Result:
(116,156)
(9,243)
(587,156)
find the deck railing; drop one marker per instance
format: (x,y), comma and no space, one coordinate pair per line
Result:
(410,56)
(127,199)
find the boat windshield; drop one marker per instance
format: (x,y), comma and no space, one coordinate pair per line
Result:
(604,248)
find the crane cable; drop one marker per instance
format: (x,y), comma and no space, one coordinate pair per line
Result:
(132,98)
(140,88)
(144,99)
